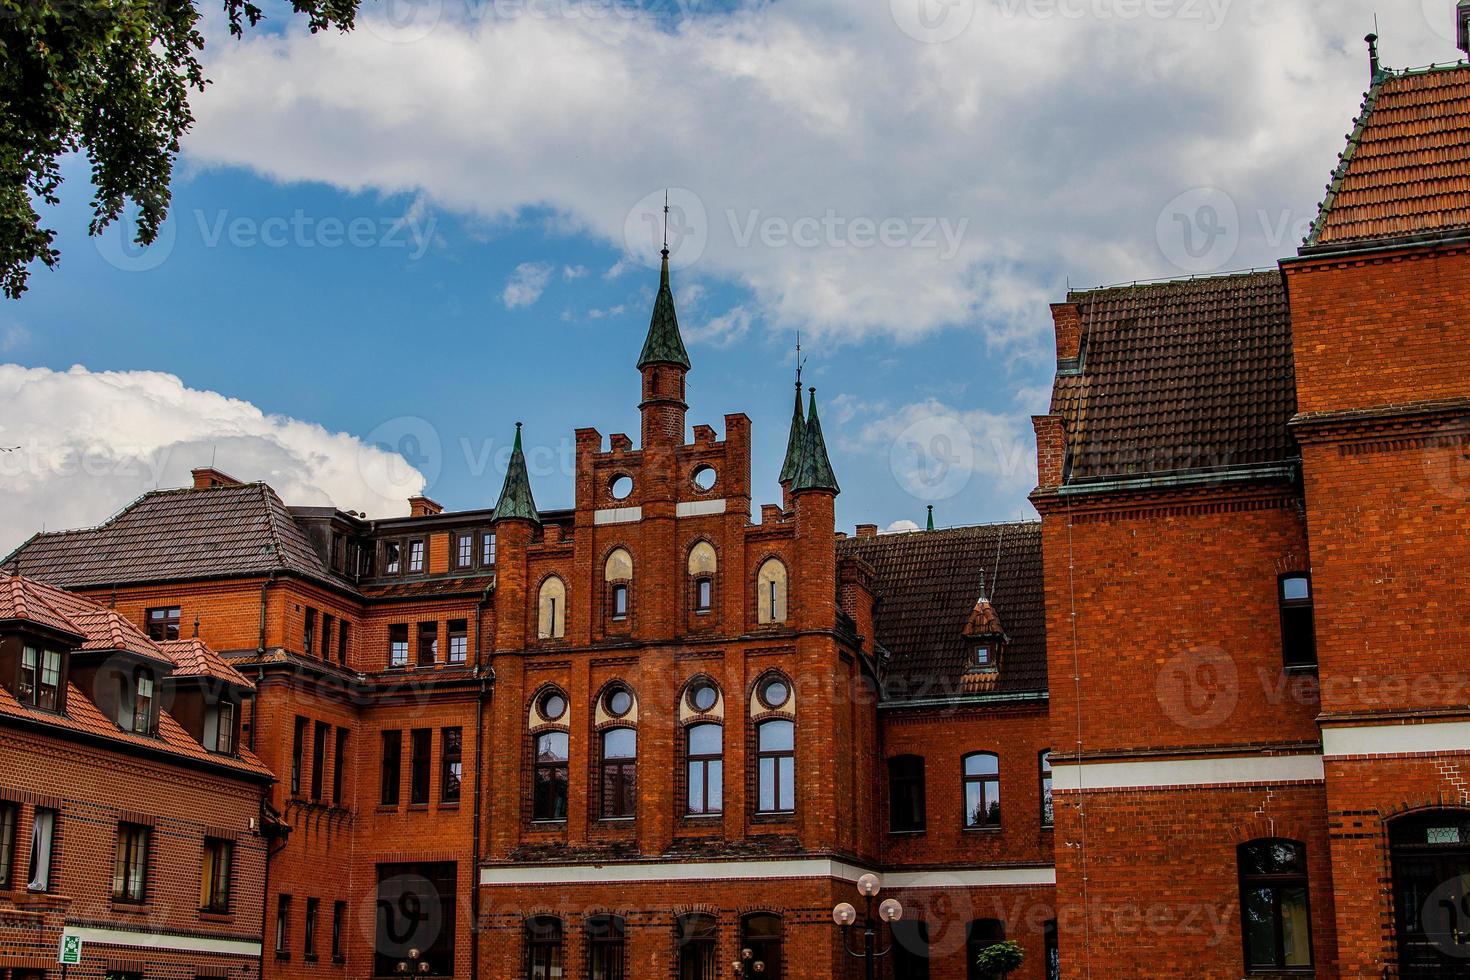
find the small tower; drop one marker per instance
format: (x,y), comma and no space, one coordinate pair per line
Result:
(985,644)
(516,502)
(795,441)
(514,519)
(663,363)
(814,470)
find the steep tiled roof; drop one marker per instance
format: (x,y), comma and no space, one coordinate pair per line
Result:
(1184,376)
(22,600)
(928,582)
(192,658)
(178,534)
(1406,170)
(663,344)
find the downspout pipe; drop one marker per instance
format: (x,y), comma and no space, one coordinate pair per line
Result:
(264,594)
(486,679)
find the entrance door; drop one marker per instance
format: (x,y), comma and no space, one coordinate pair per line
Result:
(1431,887)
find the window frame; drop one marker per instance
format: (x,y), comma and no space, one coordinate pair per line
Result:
(983,780)
(417,556)
(308,632)
(9,831)
(703,761)
(298,754)
(339,764)
(697,945)
(617,777)
(775,756)
(321,731)
(390,773)
(397,646)
(558,776)
(1276,881)
(607,947)
(1048,801)
(283,927)
(1294,609)
(464,549)
(763,945)
(916,798)
(451,765)
(165,627)
(339,918)
(426,644)
(551,941)
(308,933)
(420,765)
(130,863)
(214,883)
(42,850)
(38,693)
(487,549)
(457,632)
(976,943)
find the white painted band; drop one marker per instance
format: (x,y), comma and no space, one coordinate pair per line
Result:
(700,508)
(578,874)
(1188,772)
(107,936)
(1450,736)
(618,515)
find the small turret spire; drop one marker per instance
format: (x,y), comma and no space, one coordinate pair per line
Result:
(931,517)
(516,501)
(815,471)
(796,438)
(663,344)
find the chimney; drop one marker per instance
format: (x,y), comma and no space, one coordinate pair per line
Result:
(1462,23)
(422,506)
(867,530)
(1068,320)
(207,476)
(1051,449)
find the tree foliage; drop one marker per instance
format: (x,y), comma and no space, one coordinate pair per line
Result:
(1001,959)
(110,79)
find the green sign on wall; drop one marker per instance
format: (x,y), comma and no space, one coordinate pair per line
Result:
(71,949)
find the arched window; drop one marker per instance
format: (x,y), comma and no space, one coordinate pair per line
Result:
(619,772)
(771,589)
(1274,919)
(606,948)
(702,566)
(980,935)
(696,938)
(543,948)
(906,793)
(910,950)
(552,609)
(982,790)
(617,573)
(760,933)
(776,766)
(705,767)
(549,794)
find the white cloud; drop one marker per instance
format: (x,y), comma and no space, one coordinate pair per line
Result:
(13,336)
(901,527)
(90,442)
(526,284)
(721,331)
(570,272)
(1055,132)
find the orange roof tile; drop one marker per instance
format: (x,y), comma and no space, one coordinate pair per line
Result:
(21,599)
(192,658)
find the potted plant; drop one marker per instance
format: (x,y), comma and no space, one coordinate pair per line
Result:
(1001,960)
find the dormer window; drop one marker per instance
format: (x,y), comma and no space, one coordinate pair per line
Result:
(219,727)
(135,702)
(392,558)
(415,556)
(985,659)
(40,678)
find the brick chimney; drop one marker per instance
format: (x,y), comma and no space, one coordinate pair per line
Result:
(1051,449)
(1068,320)
(207,476)
(867,530)
(421,506)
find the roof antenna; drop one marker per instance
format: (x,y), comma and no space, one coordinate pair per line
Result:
(1372,40)
(666,223)
(800,362)
(213,451)
(995,578)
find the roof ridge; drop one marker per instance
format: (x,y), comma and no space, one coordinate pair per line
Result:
(266,493)
(1173,281)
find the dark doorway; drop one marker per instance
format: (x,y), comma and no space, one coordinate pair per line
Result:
(1431,893)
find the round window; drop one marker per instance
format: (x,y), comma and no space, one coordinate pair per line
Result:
(703,697)
(621,487)
(553,706)
(774,693)
(704,478)
(619,702)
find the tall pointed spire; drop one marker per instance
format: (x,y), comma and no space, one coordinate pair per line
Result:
(515,497)
(796,438)
(815,471)
(664,345)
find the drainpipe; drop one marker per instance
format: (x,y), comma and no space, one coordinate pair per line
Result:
(264,590)
(485,681)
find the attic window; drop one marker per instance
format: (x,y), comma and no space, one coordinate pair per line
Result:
(163,623)
(986,659)
(40,679)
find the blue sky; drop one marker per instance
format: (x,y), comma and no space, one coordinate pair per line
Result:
(493,169)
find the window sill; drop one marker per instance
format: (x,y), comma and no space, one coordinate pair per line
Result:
(453,805)
(205,915)
(129,907)
(617,820)
(920,832)
(418,808)
(387,808)
(992,829)
(309,957)
(283,957)
(1295,669)
(549,823)
(338,959)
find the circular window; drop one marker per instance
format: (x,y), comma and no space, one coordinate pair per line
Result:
(703,697)
(621,487)
(774,693)
(618,702)
(704,478)
(553,706)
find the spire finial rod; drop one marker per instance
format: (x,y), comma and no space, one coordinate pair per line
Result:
(666,223)
(799,362)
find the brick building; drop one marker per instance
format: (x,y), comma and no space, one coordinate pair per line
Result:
(634,738)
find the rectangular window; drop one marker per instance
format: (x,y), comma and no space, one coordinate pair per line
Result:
(703,595)
(464,551)
(459,640)
(420,752)
(163,622)
(327,622)
(428,644)
(9,815)
(298,750)
(214,880)
(308,632)
(342,643)
(339,920)
(40,678)
(487,549)
(1275,917)
(392,770)
(982,790)
(776,766)
(219,727)
(1298,629)
(392,558)
(130,865)
(319,758)
(398,645)
(283,926)
(415,556)
(142,714)
(1048,808)
(620,601)
(339,765)
(308,945)
(452,771)
(906,812)
(43,838)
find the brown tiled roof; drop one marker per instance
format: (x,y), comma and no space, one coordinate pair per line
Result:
(23,601)
(984,620)
(420,588)
(178,534)
(1406,170)
(928,582)
(192,658)
(1185,376)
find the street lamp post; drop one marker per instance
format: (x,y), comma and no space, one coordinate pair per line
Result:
(846,917)
(748,965)
(414,964)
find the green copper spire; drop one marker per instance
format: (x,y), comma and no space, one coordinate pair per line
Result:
(931,517)
(795,440)
(664,345)
(815,471)
(515,496)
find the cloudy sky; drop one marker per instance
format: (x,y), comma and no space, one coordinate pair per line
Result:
(405,239)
